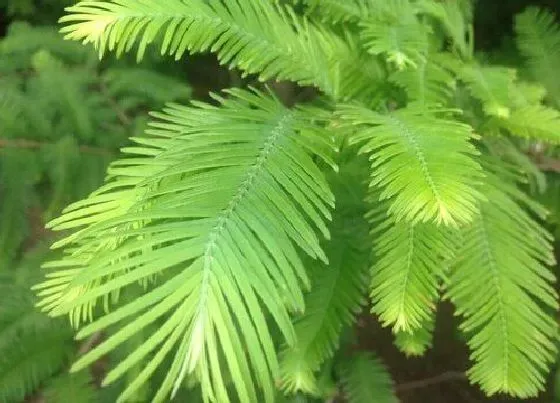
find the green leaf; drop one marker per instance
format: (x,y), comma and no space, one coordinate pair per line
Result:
(427,84)
(501,286)
(456,19)
(66,388)
(538,39)
(395,31)
(256,36)
(338,289)
(18,173)
(339,11)
(365,380)
(490,85)
(32,346)
(414,343)
(534,122)
(214,209)
(410,261)
(406,148)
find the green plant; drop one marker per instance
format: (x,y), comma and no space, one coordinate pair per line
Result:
(246,221)
(55,97)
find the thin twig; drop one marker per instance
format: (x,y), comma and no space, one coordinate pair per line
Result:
(121,114)
(90,343)
(32,144)
(548,164)
(422,383)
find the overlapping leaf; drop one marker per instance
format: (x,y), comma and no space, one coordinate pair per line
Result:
(427,84)
(395,31)
(422,163)
(338,289)
(491,86)
(365,380)
(501,285)
(538,39)
(410,260)
(256,36)
(217,204)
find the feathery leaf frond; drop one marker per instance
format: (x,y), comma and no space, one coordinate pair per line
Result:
(491,86)
(410,260)
(395,31)
(217,203)
(406,148)
(365,380)
(534,122)
(538,39)
(502,287)
(427,84)
(256,36)
(415,343)
(455,17)
(338,288)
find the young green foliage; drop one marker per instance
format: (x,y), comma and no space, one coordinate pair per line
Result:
(410,260)
(226,223)
(338,289)
(500,284)
(56,100)
(221,213)
(364,380)
(538,39)
(258,37)
(405,148)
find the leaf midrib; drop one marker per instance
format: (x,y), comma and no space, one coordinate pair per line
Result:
(227,213)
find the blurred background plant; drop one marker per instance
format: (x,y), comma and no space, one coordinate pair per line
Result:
(64,114)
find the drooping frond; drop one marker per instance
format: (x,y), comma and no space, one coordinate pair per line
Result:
(406,148)
(365,380)
(427,84)
(415,343)
(338,289)
(256,36)
(501,286)
(216,204)
(339,11)
(395,31)
(409,262)
(491,86)
(538,39)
